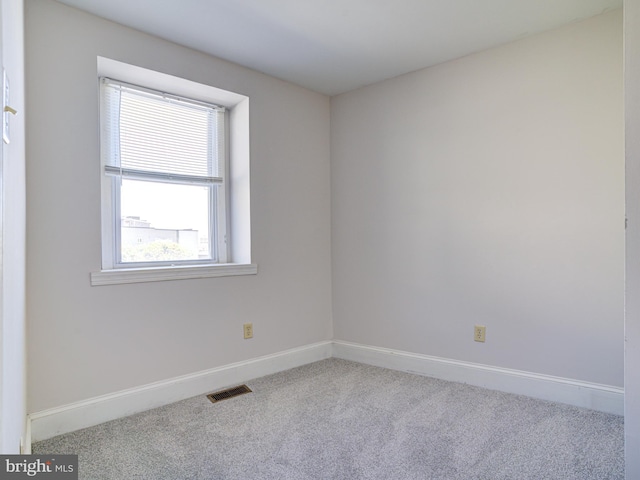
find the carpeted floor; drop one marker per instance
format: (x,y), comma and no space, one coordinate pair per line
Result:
(342,420)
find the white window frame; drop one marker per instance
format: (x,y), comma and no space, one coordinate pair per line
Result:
(113,174)
(233,202)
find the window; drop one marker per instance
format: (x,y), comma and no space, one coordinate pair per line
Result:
(165,157)
(167,179)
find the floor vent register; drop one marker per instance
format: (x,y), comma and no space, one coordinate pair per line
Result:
(228,393)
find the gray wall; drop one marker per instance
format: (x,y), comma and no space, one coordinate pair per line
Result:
(632,301)
(13,376)
(485,190)
(488,190)
(86,341)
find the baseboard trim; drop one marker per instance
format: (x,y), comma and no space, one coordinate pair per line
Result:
(594,396)
(75,416)
(27,438)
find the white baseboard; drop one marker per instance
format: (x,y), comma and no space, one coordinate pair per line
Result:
(75,416)
(26,450)
(594,396)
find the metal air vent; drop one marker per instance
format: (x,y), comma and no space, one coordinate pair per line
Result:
(228,393)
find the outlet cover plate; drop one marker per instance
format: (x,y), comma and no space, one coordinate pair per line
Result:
(479,333)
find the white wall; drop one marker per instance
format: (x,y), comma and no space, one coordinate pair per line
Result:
(488,190)
(632,299)
(86,341)
(13,330)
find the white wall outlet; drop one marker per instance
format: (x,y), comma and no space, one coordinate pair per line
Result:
(479,332)
(248,330)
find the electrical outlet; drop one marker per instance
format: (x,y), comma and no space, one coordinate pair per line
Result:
(478,333)
(248,330)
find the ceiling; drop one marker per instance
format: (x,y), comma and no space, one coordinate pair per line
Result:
(332,46)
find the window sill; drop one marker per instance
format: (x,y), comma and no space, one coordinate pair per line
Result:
(162,274)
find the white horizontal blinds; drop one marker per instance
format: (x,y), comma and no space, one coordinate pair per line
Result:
(110,113)
(162,137)
(218,135)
